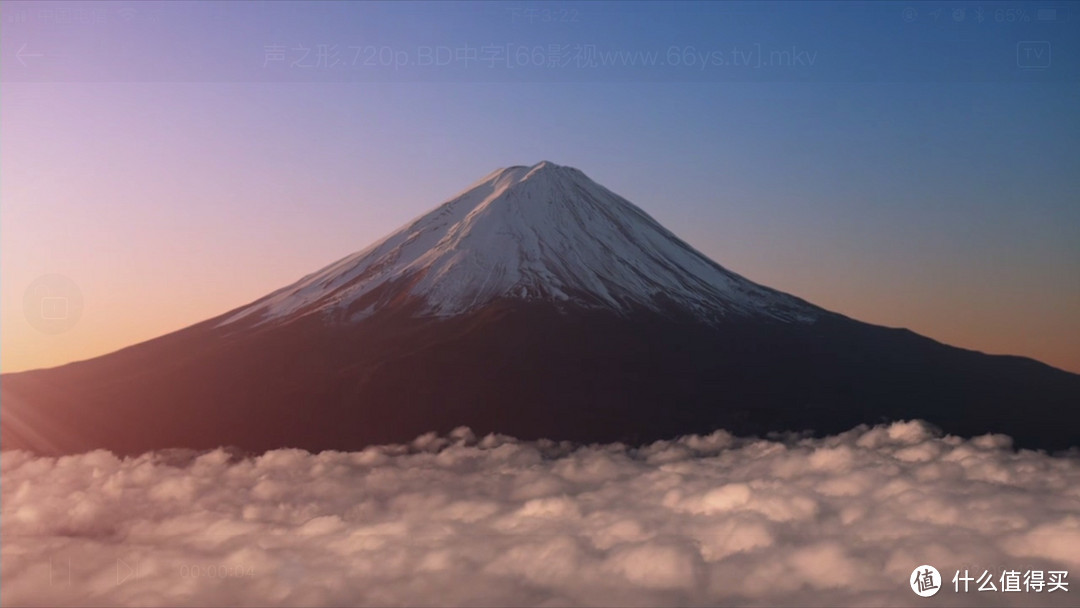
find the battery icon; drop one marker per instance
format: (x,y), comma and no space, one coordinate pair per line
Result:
(1046,14)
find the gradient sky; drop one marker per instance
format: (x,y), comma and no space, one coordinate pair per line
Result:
(173,162)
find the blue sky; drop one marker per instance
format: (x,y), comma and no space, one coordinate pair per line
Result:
(173,161)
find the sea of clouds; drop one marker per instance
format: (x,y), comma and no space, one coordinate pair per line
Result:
(458,520)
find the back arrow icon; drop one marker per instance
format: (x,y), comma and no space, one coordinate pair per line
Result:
(21,53)
(124,571)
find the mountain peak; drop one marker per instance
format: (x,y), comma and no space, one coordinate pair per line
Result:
(541,172)
(540,166)
(542,232)
(546,166)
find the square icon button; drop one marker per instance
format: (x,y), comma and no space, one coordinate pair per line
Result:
(1033,54)
(54,308)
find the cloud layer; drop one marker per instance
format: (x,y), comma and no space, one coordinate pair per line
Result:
(458,520)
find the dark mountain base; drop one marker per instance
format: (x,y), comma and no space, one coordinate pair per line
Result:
(530,372)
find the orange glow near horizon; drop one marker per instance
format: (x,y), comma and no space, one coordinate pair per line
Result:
(116,316)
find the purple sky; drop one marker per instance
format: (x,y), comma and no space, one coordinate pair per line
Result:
(173,165)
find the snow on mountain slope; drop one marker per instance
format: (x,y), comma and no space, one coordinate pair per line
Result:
(543,232)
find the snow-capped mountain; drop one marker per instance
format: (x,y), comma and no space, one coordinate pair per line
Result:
(544,232)
(536,303)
